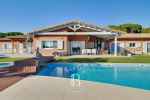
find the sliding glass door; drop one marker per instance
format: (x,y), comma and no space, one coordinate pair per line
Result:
(148,47)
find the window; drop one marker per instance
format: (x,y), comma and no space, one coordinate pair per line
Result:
(132,45)
(7,46)
(60,44)
(148,47)
(49,44)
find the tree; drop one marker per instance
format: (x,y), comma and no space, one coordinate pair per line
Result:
(114,27)
(2,34)
(129,28)
(146,30)
(14,33)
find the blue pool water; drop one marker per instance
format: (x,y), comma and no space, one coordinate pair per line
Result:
(4,65)
(131,75)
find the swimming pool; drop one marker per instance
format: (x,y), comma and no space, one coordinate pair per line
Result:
(131,75)
(6,64)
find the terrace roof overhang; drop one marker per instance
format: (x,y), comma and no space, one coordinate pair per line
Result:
(103,34)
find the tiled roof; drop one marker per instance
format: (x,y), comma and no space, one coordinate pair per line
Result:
(5,39)
(95,28)
(18,36)
(135,35)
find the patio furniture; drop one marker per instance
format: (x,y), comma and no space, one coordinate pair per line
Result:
(84,52)
(60,53)
(88,51)
(93,51)
(76,50)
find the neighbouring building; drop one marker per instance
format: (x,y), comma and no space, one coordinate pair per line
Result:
(134,43)
(15,45)
(77,38)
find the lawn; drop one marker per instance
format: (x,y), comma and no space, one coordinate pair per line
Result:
(11,59)
(133,59)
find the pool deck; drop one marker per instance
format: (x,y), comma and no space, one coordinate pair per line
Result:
(50,88)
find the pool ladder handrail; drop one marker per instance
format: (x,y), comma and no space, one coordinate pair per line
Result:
(74,80)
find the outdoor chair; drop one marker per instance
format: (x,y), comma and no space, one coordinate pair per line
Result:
(84,51)
(93,51)
(88,51)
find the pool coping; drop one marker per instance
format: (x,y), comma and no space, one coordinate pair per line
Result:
(97,63)
(101,62)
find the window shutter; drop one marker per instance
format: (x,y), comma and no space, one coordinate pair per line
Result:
(39,44)
(60,44)
(128,44)
(9,45)
(145,47)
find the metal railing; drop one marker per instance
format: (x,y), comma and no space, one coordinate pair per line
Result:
(13,51)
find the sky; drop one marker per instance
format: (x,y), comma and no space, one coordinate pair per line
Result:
(27,15)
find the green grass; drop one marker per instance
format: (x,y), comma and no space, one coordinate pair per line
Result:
(133,59)
(11,59)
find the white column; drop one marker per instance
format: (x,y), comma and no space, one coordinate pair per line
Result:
(103,45)
(115,46)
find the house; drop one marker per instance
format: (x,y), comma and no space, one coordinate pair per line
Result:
(14,44)
(74,38)
(134,43)
(77,38)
